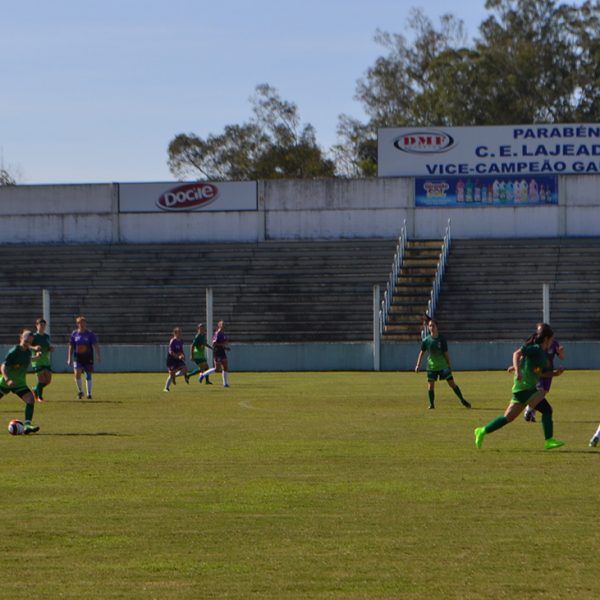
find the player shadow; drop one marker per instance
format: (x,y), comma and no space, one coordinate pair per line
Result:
(91,434)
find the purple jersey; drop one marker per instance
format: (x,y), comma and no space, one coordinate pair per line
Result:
(82,343)
(176,346)
(545,382)
(219,341)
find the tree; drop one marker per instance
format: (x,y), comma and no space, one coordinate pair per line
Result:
(273,144)
(535,61)
(6,178)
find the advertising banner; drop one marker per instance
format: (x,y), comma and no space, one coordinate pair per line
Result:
(489,151)
(460,192)
(187,196)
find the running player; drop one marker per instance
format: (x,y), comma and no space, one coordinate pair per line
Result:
(219,341)
(14,370)
(198,353)
(555,349)
(529,364)
(175,359)
(82,344)
(40,358)
(438,363)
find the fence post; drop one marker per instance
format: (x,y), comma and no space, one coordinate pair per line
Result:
(546,302)
(46,309)
(376,330)
(209,323)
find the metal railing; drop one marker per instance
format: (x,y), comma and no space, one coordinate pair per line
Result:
(393,278)
(439,275)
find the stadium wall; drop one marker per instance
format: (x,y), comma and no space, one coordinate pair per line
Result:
(298,209)
(357,356)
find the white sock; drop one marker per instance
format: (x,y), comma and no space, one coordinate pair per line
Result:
(597,434)
(225,378)
(79,385)
(88,385)
(168,384)
(208,372)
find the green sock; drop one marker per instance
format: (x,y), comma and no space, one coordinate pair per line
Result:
(38,389)
(496,424)
(458,392)
(206,380)
(29,412)
(431,395)
(193,372)
(547,426)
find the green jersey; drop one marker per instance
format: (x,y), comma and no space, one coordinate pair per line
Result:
(43,341)
(436,347)
(16,362)
(533,363)
(198,344)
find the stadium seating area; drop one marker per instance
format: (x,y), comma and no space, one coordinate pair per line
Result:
(492,289)
(266,292)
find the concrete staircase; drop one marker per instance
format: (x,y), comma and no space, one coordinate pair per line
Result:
(412,290)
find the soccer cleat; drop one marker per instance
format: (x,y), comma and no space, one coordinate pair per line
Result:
(28,428)
(465,403)
(431,406)
(166,390)
(207,382)
(79,395)
(593,442)
(225,385)
(479,435)
(529,416)
(552,443)
(89,396)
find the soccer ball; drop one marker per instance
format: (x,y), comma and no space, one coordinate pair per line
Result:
(15,427)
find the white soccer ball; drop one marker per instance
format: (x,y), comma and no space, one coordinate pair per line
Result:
(16,427)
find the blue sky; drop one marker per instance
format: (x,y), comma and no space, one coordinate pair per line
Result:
(93,91)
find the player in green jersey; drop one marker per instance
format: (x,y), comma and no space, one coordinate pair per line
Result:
(40,358)
(13,371)
(438,363)
(198,353)
(530,363)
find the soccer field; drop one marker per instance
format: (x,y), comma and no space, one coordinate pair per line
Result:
(299,485)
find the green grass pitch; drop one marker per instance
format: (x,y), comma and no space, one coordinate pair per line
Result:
(299,485)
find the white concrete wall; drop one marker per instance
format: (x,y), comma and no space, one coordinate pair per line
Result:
(57,213)
(298,209)
(332,208)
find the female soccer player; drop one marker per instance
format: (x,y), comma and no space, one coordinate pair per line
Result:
(438,363)
(555,349)
(529,363)
(220,348)
(13,371)
(81,348)
(175,359)
(40,358)
(198,353)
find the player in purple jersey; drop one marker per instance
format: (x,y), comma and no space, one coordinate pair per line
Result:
(81,348)
(175,359)
(555,349)
(219,341)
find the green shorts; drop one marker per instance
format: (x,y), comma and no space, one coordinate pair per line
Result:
(524,396)
(41,368)
(442,375)
(19,390)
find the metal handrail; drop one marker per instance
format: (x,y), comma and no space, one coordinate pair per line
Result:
(439,275)
(388,294)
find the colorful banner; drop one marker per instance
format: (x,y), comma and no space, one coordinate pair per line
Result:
(501,150)
(460,192)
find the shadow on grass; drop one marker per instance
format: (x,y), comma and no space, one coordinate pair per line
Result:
(72,433)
